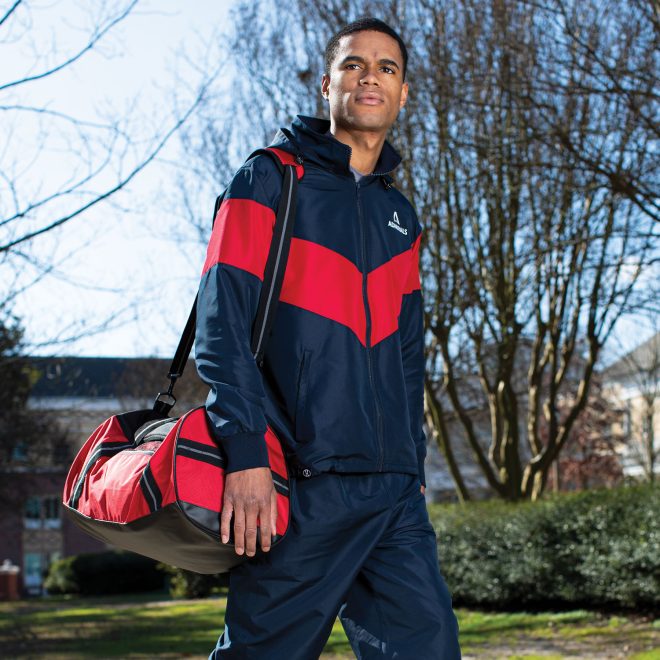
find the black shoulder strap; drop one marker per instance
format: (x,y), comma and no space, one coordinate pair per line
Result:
(270,290)
(278,256)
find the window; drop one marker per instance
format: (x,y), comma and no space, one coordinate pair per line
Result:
(42,513)
(32,513)
(33,572)
(35,569)
(19,452)
(647,429)
(627,423)
(51,512)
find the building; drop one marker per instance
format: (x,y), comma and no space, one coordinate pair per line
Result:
(74,396)
(633,382)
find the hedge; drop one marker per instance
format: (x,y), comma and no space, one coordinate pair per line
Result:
(186,584)
(598,548)
(594,549)
(111,572)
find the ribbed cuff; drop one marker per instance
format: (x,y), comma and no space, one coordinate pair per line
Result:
(245,451)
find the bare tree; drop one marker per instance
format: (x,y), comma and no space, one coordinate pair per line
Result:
(525,241)
(55,165)
(274,81)
(535,178)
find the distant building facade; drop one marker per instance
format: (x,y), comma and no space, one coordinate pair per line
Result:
(78,393)
(633,382)
(82,392)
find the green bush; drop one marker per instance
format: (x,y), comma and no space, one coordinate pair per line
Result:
(61,578)
(597,548)
(111,572)
(186,584)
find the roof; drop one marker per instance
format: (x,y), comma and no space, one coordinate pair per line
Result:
(643,358)
(63,376)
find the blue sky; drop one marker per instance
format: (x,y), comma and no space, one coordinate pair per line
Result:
(123,257)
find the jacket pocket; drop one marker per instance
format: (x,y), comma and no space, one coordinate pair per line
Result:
(301,396)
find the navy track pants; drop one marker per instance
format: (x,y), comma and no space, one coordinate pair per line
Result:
(360,546)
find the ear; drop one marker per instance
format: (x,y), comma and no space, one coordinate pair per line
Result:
(325,86)
(404,95)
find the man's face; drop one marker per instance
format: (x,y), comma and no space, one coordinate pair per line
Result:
(365,87)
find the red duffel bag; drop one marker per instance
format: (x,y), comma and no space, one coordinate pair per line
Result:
(158,491)
(154,484)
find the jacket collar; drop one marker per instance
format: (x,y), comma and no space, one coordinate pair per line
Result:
(307,137)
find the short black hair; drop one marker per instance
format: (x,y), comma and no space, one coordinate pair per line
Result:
(360,25)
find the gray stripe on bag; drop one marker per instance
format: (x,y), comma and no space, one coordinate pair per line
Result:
(150,490)
(200,452)
(280,484)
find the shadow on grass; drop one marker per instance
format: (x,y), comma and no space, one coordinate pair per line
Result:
(134,627)
(91,628)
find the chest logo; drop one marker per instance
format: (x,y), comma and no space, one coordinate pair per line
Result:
(395,224)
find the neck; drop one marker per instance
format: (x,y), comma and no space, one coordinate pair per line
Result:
(365,146)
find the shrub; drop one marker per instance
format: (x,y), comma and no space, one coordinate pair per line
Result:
(186,584)
(597,548)
(111,572)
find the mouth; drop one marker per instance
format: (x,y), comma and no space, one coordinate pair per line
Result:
(369,99)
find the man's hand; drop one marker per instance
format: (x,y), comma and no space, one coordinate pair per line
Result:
(423,490)
(249,494)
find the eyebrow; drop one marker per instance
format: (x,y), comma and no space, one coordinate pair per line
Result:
(357,58)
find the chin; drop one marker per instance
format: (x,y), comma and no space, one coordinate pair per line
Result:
(360,122)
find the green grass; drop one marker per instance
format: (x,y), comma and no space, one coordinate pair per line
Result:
(149,626)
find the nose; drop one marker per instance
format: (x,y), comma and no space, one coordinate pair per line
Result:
(369,77)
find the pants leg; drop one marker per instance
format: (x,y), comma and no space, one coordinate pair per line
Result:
(399,605)
(282,604)
(341,547)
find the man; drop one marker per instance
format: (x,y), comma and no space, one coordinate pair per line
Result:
(341,384)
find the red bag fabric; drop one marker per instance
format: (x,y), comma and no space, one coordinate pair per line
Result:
(158,489)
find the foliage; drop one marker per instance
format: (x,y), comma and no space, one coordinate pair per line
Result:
(598,548)
(186,584)
(28,438)
(110,572)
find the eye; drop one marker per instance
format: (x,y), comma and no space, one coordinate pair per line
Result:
(389,69)
(352,64)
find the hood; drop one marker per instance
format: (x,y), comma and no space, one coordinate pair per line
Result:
(306,136)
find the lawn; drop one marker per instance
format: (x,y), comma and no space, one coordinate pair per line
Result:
(148,626)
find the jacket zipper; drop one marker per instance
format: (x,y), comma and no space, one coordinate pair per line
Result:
(365,297)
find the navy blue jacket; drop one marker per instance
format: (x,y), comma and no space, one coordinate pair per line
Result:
(342,380)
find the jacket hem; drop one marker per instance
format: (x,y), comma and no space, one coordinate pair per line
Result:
(319,467)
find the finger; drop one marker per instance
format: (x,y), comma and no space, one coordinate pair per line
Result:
(273,512)
(225,520)
(239,530)
(251,530)
(264,528)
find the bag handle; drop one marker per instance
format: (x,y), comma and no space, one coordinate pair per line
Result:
(270,290)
